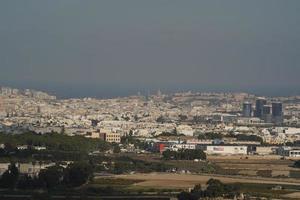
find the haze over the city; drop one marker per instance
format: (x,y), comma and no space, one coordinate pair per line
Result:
(97,48)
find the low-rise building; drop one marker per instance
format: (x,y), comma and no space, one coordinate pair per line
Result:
(185,130)
(289,151)
(93,134)
(111,137)
(265,150)
(176,147)
(227,150)
(159,147)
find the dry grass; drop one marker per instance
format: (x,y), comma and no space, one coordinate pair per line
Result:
(249,165)
(168,180)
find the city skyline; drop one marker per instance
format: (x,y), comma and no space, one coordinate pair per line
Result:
(142,99)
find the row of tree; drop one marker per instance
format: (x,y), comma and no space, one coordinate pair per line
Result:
(184,154)
(53,141)
(74,175)
(126,164)
(215,188)
(240,137)
(210,136)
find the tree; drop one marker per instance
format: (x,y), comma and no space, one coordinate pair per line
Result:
(169,155)
(184,154)
(186,196)
(182,117)
(215,188)
(117,149)
(28,182)
(8,147)
(243,137)
(210,136)
(78,173)
(51,177)
(10,177)
(121,167)
(297,164)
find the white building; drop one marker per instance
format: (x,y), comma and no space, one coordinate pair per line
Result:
(185,130)
(227,150)
(176,147)
(261,150)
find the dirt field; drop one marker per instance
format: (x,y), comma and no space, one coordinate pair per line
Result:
(168,180)
(249,165)
(294,195)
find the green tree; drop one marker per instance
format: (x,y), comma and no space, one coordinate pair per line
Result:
(297,164)
(185,196)
(51,177)
(169,155)
(243,137)
(121,167)
(184,154)
(78,173)
(28,182)
(117,149)
(10,177)
(210,136)
(215,188)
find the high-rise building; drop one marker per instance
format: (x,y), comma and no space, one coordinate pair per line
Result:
(266,115)
(277,113)
(247,109)
(260,102)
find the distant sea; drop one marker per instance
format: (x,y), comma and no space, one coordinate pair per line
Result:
(111,91)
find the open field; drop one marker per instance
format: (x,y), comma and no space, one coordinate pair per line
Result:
(172,184)
(247,165)
(184,181)
(294,195)
(250,165)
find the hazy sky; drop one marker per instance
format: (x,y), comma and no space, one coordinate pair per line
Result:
(115,47)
